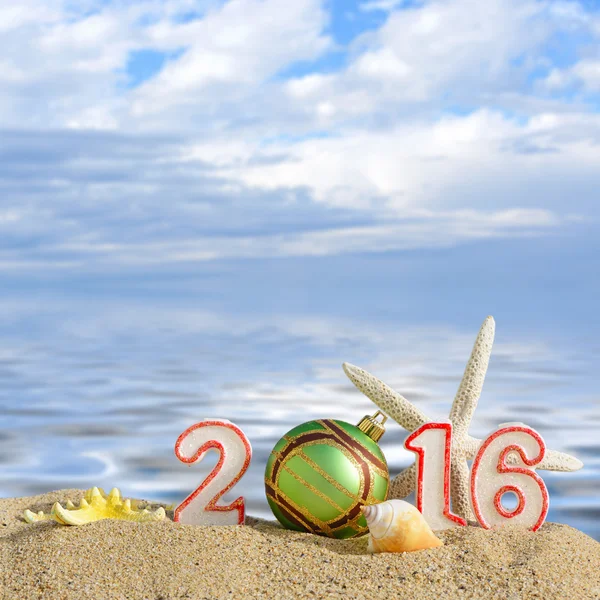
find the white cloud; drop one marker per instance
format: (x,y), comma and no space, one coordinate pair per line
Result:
(430,134)
(9,216)
(384,5)
(27,12)
(585,73)
(382,63)
(460,50)
(234,48)
(425,164)
(310,85)
(588,71)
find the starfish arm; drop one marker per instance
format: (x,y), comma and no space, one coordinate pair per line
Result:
(559,461)
(552,461)
(404,483)
(390,402)
(471,446)
(461,489)
(471,385)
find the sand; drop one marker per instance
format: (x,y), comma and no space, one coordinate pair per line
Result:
(166,560)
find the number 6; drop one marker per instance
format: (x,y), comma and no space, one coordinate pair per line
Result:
(491,478)
(200,507)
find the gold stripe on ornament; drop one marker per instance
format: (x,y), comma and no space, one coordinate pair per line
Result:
(353,523)
(364,453)
(360,530)
(352,442)
(366,459)
(349,451)
(325,525)
(306,523)
(370,499)
(365,463)
(288,509)
(303,511)
(283,454)
(313,489)
(298,451)
(336,484)
(312,519)
(340,447)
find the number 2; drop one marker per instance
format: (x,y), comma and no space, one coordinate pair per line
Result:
(200,507)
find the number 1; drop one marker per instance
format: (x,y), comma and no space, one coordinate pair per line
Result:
(432,443)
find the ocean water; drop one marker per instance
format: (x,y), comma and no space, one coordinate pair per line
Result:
(95,389)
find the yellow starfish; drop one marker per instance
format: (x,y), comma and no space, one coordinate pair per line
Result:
(97,505)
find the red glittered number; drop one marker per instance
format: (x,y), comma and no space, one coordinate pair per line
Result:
(235,452)
(432,444)
(492,477)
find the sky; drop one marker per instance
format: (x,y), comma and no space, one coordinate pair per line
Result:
(161,134)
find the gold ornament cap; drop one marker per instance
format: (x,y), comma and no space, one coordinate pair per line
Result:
(372,427)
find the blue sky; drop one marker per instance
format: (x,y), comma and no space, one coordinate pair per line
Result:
(448,146)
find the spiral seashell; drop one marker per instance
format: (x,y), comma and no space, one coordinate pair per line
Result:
(397,526)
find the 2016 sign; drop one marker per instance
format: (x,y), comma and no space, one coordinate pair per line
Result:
(491,475)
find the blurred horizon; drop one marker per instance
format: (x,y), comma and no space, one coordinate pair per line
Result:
(207,206)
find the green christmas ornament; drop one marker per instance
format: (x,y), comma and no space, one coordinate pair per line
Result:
(321,473)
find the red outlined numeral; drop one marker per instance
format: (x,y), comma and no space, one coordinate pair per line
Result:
(200,507)
(491,478)
(432,444)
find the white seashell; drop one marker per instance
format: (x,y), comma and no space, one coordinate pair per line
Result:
(397,526)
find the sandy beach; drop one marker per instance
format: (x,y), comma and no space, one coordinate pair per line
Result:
(166,560)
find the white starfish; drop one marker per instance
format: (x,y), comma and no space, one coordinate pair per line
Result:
(464,447)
